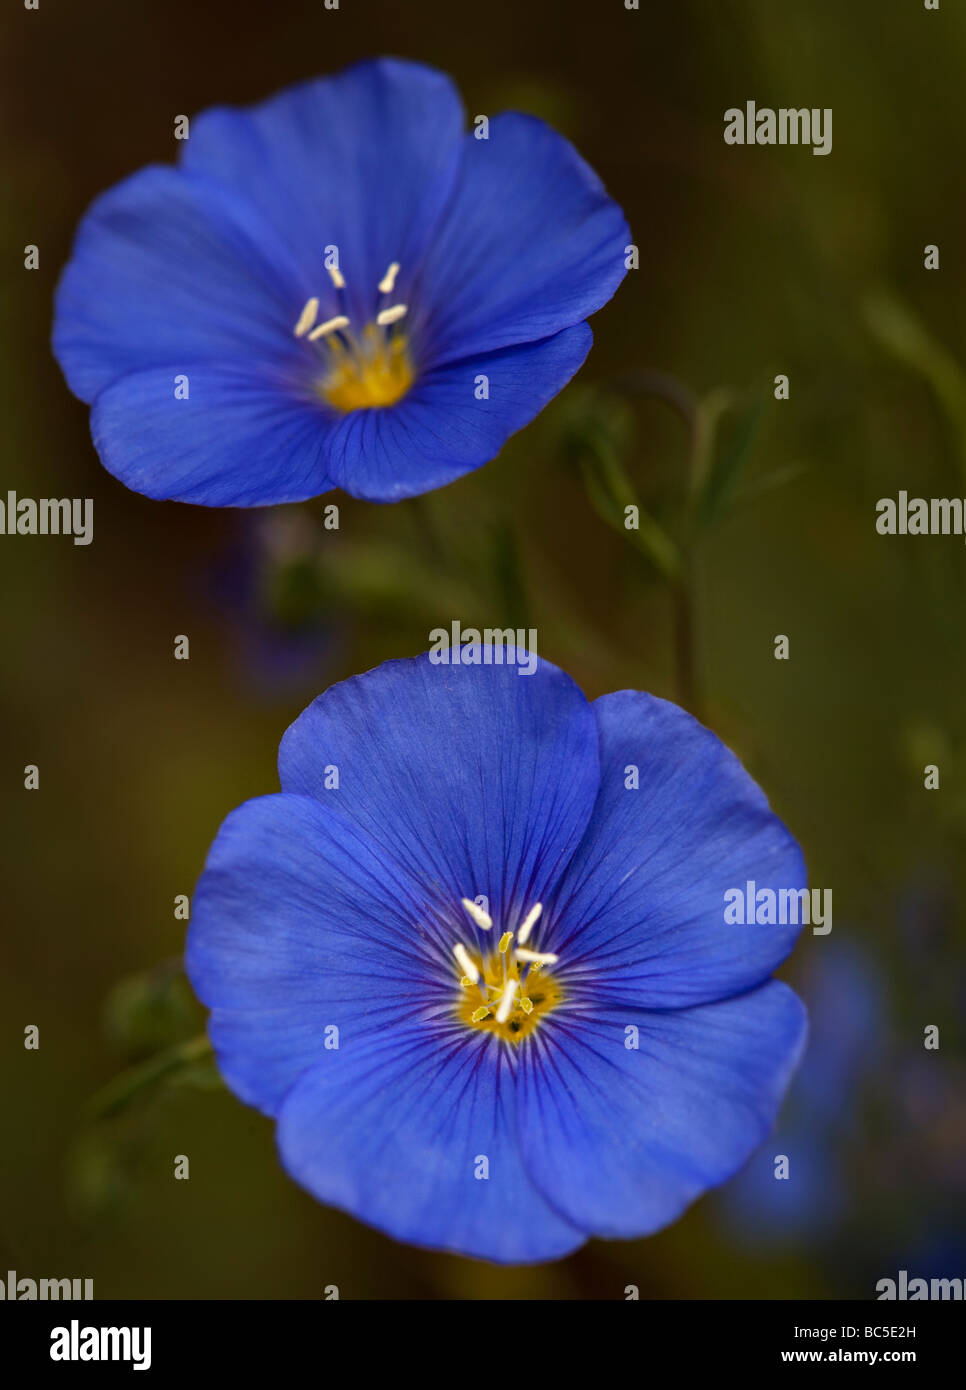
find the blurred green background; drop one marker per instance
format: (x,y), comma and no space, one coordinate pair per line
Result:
(754,261)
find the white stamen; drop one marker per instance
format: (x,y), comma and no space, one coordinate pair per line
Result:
(481,918)
(330,326)
(307,317)
(538,957)
(529,922)
(336,276)
(506,1003)
(393,315)
(463,957)
(389,279)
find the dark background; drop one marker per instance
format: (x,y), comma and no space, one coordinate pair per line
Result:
(754,261)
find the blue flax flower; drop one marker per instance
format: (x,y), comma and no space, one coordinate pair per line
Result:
(473,958)
(341,287)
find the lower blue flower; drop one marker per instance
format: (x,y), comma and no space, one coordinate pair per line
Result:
(473,958)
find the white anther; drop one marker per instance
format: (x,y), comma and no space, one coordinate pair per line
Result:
(538,957)
(506,1003)
(529,922)
(393,315)
(481,918)
(307,317)
(336,276)
(330,326)
(389,279)
(463,957)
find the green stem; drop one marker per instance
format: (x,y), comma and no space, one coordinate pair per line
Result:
(676,562)
(685,646)
(122,1089)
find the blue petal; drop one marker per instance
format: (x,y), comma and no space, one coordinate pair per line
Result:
(243,438)
(363,161)
(298,924)
(531,244)
(619,1140)
(440,430)
(394,1128)
(640,915)
(475,779)
(171,268)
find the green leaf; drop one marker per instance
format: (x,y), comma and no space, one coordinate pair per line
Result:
(897,329)
(719,483)
(200,1076)
(611,493)
(771,482)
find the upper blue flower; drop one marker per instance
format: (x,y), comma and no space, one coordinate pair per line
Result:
(424,1075)
(360,294)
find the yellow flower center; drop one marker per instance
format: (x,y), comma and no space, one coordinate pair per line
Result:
(374,372)
(509,990)
(359,372)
